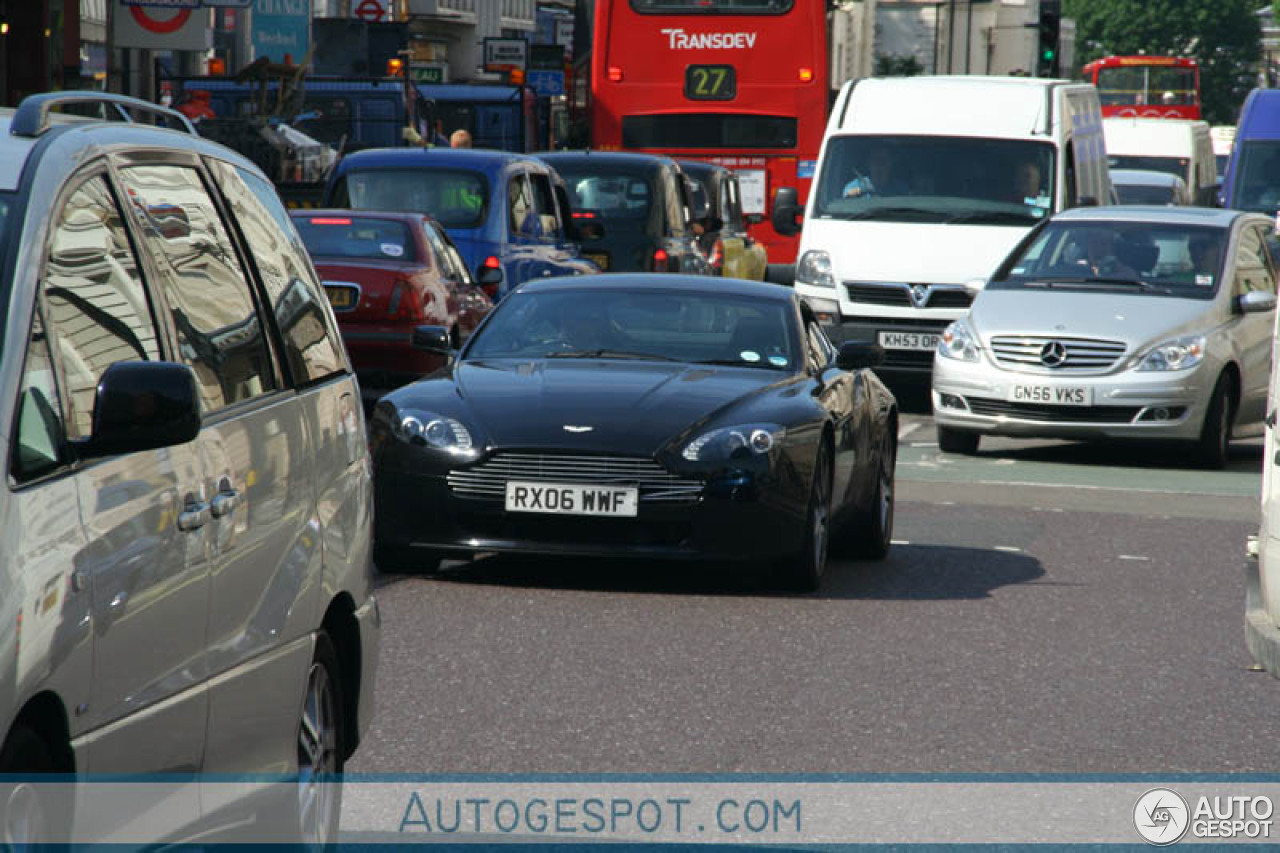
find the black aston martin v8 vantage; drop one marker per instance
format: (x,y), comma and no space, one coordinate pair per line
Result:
(641,415)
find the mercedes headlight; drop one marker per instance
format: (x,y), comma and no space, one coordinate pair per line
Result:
(734,443)
(959,342)
(1178,354)
(815,268)
(424,429)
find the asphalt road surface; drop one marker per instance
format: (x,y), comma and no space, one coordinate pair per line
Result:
(1047,607)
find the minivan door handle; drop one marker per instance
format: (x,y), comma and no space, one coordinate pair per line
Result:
(194,515)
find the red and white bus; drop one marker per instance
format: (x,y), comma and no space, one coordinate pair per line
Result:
(742,83)
(1146,86)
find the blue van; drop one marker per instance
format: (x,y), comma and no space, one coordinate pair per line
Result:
(1252,181)
(504,211)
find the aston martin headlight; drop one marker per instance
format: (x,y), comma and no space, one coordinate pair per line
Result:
(815,268)
(736,442)
(1178,354)
(959,342)
(424,429)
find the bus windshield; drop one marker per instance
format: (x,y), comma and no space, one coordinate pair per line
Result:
(1147,84)
(936,179)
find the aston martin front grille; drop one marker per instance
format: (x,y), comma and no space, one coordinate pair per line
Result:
(488,480)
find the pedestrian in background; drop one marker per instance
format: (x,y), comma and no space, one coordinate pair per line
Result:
(460,139)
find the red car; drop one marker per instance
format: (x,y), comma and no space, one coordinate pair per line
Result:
(386,274)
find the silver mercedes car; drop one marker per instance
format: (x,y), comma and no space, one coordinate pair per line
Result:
(1117,323)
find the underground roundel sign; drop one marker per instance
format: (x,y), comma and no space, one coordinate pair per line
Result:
(160,23)
(371,10)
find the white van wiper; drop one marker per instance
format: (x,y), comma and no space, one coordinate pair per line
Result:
(891,213)
(992,217)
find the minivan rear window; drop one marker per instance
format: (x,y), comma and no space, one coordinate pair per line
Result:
(457,198)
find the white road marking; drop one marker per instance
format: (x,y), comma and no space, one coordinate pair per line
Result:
(1009,549)
(905,430)
(899,542)
(1136,557)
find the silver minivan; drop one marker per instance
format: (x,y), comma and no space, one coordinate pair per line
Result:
(1149,323)
(186,579)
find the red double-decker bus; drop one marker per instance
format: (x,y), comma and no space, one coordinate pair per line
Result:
(742,83)
(1146,86)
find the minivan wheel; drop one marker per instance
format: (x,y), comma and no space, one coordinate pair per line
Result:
(26,809)
(401,560)
(320,749)
(957,441)
(1214,446)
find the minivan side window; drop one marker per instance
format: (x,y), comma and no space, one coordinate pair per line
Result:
(220,332)
(97,308)
(312,348)
(38,435)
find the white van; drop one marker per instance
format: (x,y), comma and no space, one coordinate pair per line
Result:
(1178,146)
(925,184)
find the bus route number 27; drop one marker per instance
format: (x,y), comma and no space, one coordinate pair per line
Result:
(710,83)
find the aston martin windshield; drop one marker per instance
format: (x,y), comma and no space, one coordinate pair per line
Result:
(712,329)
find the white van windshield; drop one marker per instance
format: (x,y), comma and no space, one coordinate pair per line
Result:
(936,179)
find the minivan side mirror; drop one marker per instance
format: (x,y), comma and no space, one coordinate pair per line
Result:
(855,355)
(142,405)
(1256,302)
(432,339)
(786,210)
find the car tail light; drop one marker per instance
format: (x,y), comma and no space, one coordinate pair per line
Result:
(660,260)
(405,302)
(492,262)
(330,220)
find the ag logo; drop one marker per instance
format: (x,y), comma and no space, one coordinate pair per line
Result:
(1161,816)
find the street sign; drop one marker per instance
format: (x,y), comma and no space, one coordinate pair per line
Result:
(548,83)
(371,10)
(501,54)
(281,29)
(170,27)
(547,57)
(429,72)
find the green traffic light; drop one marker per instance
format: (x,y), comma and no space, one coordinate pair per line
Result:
(1047,55)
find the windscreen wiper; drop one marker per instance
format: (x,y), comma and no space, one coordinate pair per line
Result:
(734,362)
(609,353)
(892,213)
(1103,281)
(992,217)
